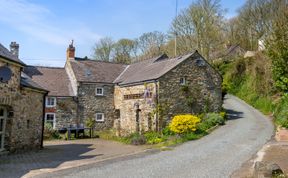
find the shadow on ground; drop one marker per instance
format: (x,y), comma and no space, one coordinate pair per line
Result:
(232,114)
(50,157)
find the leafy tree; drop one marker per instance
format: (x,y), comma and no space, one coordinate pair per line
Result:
(123,51)
(278,46)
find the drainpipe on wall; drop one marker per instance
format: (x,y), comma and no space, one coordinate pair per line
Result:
(43,119)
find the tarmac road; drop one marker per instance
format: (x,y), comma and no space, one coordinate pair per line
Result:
(216,155)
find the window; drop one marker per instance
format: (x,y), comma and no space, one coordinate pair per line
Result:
(99,117)
(50,119)
(99,91)
(182,81)
(200,62)
(50,102)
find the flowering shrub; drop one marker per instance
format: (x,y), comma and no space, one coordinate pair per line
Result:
(184,123)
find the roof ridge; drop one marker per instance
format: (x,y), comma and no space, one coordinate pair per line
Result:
(49,67)
(95,60)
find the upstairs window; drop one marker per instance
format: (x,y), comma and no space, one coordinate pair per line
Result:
(183,81)
(99,91)
(50,102)
(99,117)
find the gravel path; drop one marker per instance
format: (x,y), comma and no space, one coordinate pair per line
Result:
(216,155)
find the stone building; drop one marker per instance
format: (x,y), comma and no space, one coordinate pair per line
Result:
(149,93)
(138,97)
(60,103)
(81,90)
(21,104)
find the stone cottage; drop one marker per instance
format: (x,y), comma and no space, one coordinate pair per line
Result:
(21,104)
(149,93)
(138,97)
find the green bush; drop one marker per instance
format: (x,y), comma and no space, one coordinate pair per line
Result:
(214,119)
(137,139)
(50,133)
(192,136)
(281,111)
(154,137)
(167,132)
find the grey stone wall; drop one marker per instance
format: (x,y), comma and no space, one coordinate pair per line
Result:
(25,106)
(202,91)
(89,104)
(66,112)
(26,124)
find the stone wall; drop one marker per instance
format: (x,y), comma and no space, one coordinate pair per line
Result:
(127,99)
(89,104)
(65,112)
(26,123)
(202,91)
(25,113)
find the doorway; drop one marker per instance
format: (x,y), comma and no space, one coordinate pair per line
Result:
(3,116)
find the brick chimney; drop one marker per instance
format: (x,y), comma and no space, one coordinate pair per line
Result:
(70,53)
(14,48)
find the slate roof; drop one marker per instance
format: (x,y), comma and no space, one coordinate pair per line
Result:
(5,53)
(26,81)
(53,79)
(86,70)
(229,51)
(150,69)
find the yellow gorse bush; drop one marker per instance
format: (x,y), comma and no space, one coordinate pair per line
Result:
(184,123)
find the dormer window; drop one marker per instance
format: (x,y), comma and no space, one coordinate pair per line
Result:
(183,81)
(99,91)
(50,102)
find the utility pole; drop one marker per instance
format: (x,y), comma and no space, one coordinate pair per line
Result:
(176,14)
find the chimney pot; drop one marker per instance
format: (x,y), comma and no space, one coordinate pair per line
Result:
(14,48)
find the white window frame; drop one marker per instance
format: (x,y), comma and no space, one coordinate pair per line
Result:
(50,106)
(102,114)
(99,94)
(184,81)
(54,120)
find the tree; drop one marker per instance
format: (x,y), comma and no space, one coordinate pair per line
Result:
(123,51)
(151,44)
(199,27)
(254,22)
(103,49)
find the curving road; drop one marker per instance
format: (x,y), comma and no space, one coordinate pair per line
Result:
(216,155)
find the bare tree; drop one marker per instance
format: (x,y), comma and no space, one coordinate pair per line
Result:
(103,49)
(199,27)
(151,44)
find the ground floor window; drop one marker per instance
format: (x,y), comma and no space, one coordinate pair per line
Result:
(50,119)
(99,117)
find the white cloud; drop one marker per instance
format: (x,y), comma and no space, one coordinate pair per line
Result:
(35,21)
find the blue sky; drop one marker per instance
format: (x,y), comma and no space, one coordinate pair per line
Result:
(44,28)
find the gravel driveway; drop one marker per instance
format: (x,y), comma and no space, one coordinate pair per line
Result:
(216,155)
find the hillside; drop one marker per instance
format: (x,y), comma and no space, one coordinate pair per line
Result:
(251,80)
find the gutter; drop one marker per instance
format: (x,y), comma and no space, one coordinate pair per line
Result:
(43,119)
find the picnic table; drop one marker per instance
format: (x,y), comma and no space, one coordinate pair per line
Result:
(76,131)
